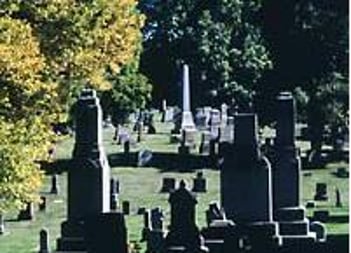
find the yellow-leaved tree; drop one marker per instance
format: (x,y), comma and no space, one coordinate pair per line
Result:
(49,50)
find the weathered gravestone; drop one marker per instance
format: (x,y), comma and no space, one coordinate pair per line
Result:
(27,213)
(153,232)
(215,123)
(291,216)
(150,124)
(126,147)
(168,184)
(246,188)
(44,241)
(200,119)
(224,114)
(126,207)
(204,146)
(54,184)
(88,177)
(321,192)
(42,203)
(342,172)
(144,157)
(338,202)
(157,219)
(163,110)
(169,114)
(199,183)
(114,191)
(183,235)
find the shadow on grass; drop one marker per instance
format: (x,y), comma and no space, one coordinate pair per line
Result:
(163,161)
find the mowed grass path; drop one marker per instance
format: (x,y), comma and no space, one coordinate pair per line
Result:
(141,187)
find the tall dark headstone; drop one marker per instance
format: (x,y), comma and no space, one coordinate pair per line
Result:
(338,202)
(199,183)
(286,164)
(246,189)
(54,185)
(293,224)
(89,176)
(44,241)
(183,235)
(321,192)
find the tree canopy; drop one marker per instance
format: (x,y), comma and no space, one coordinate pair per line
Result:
(49,50)
(219,40)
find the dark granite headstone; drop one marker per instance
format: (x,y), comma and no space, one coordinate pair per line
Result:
(205,143)
(243,168)
(183,235)
(168,184)
(291,217)
(321,215)
(126,147)
(199,183)
(310,204)
(338,202)
(321,192)
(113,194)
(27,213)
(140,132)
(157,219)
(151,125)
(89,176)
(54,185)
(126,207)
(42,203)
(342,172)
(44,241)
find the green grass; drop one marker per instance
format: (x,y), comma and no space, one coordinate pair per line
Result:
(141,187)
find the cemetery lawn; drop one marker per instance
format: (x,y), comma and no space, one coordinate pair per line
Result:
(141,187)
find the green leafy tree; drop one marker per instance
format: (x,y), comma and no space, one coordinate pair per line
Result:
(49,50)
(218,39)
(308,41)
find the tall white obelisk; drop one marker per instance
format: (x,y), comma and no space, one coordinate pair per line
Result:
(187,116)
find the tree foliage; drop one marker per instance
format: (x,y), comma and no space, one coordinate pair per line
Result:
(218,39)
(48,51)
(308,41)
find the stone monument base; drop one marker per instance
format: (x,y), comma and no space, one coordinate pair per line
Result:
(72,238)
(294,226)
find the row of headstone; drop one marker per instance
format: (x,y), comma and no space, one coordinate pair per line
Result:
(199,184)
(259,194)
